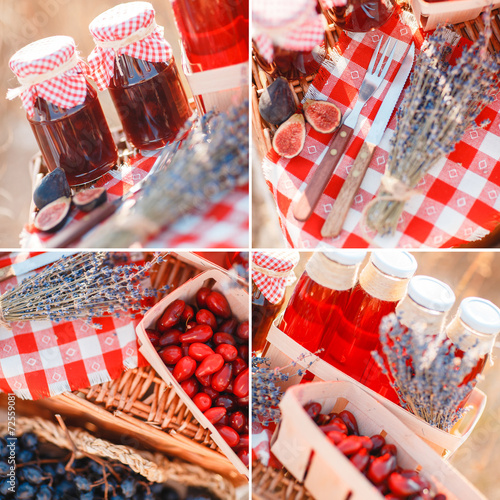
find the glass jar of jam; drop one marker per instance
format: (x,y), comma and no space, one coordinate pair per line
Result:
(362,15)
(426,303)
(135,62)
(382,284)
(287,36)
(474,327)
(63,109)
(214,33)
(272,272)
(323,289)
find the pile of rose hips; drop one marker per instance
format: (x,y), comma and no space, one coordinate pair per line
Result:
(372,456)
(206,350)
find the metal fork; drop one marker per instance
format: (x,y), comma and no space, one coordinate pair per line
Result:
(371,82)
(303,208)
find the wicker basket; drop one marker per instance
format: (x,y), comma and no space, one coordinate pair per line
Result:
(141,405)
(153,466)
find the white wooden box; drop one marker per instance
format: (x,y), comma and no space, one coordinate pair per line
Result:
(238,300)
(430,14)
(327,473)
(283,350)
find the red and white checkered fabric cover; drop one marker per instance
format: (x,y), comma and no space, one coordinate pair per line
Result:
(460,196)
(39,359)
(290,24)
(276,272)
(45,56)
(118,24)
(222,223)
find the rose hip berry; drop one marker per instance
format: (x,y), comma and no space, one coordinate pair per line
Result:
(205,347)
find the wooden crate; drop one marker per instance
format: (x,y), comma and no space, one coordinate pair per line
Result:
(327,473)
(282,350)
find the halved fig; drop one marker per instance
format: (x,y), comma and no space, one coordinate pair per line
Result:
(52,187)
(52,216)
(289,139)
(88,199)
(323,116)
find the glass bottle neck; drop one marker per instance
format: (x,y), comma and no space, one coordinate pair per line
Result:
(382,286)
(412,313)
(465,338)
(331,274)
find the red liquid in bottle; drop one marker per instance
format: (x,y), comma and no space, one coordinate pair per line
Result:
(78,139)
(311,308)
(356,333)
(150,101)
(214,33)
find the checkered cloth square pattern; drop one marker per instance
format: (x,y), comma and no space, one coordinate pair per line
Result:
(275,23)
(222,223)
(40,359)
(68,89)
(118,24)
(459,198)
(272,272)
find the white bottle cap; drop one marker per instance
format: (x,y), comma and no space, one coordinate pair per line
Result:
(345,257)
(480,315)
(395,263)
(431,293)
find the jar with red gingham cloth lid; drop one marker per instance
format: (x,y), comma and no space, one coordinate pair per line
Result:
(272,272)
(63,109)
(287,35)
(134,62)
(214,33)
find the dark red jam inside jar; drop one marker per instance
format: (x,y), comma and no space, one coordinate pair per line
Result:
(77,139)
(150,101)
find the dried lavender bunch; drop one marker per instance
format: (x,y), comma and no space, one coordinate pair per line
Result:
(441,103)
(425,371)
(266,392)
(81,286)
(212,160)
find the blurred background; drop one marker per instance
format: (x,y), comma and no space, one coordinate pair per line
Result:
(23,22)
(468,273)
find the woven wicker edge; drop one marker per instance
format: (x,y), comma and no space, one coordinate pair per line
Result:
(154,467)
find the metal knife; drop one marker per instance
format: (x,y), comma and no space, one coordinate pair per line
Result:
(19,268)
(75,231)
(335,220)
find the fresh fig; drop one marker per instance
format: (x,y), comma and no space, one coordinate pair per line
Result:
(52,216)
(289,139)
(277,104)
(323,116)
(53,186)
(88,199)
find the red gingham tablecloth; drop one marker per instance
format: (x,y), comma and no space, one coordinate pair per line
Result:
(223,223)
(459,200)
(39,359)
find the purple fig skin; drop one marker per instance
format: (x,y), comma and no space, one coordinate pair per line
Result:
(277,103)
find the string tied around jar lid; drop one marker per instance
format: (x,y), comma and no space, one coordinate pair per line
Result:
(128,29)
(272,272)
(51,69)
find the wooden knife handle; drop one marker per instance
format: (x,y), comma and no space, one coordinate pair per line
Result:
(78,229)
(335,220)
(304,207)
(6,273)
